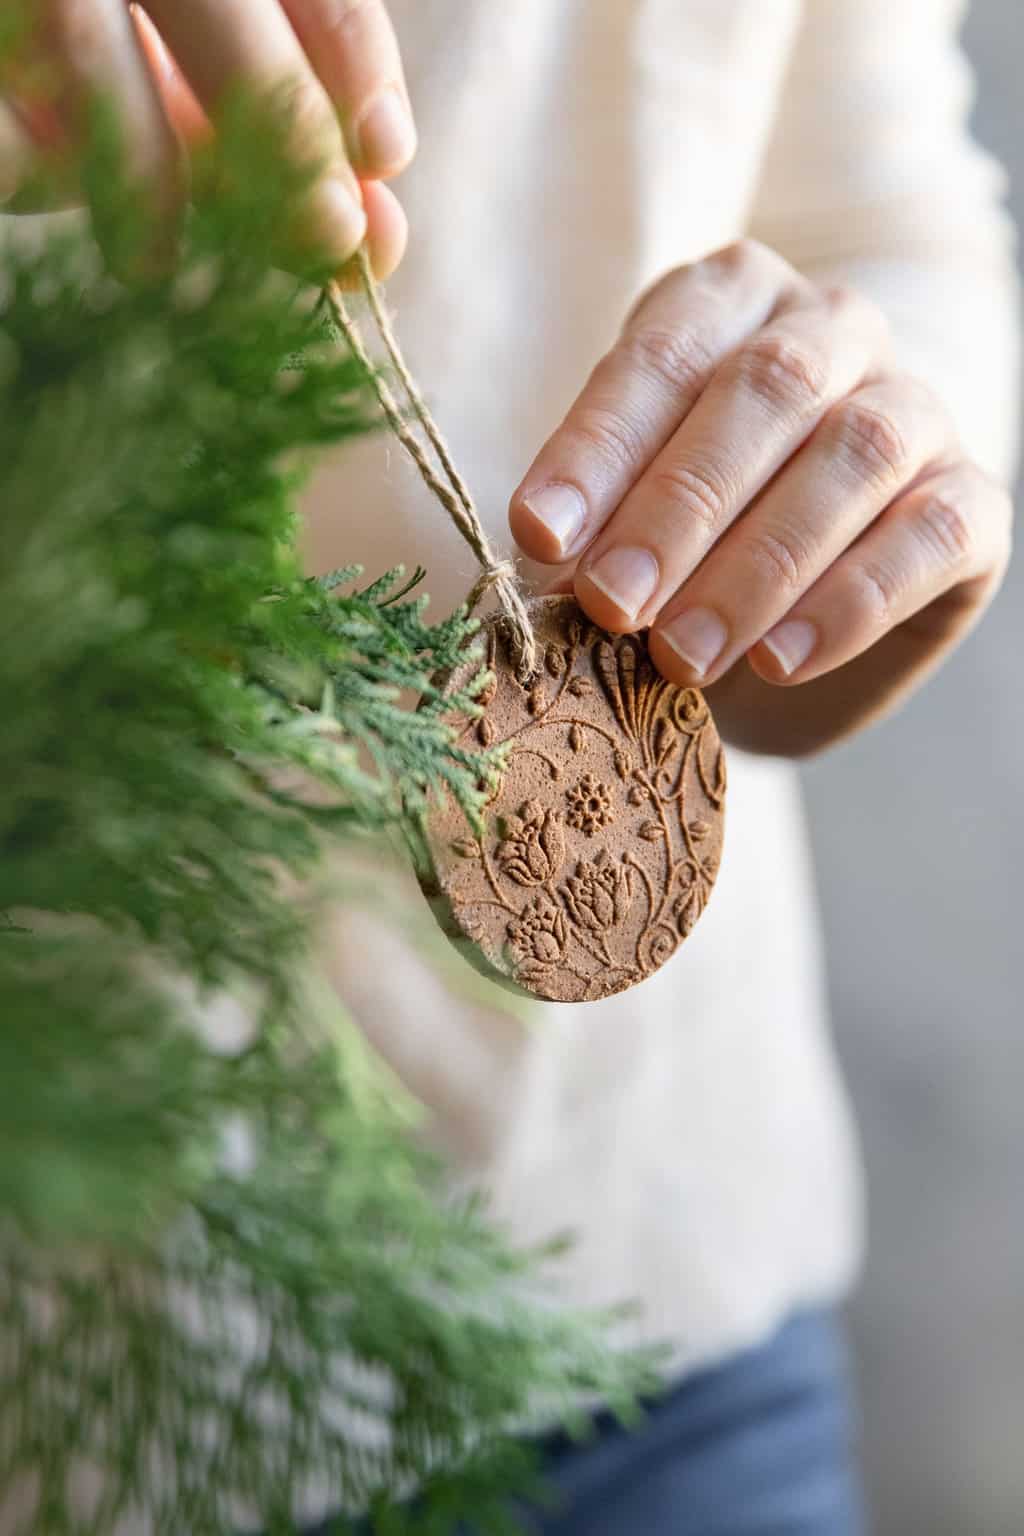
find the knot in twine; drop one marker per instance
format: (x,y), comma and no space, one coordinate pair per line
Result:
(497,574)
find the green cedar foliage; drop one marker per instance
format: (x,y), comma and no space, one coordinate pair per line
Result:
(223,1271)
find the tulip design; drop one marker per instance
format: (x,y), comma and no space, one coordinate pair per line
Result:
(600,894)
(540,932)
(533,848)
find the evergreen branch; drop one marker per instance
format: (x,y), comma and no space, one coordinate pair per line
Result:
(186,722)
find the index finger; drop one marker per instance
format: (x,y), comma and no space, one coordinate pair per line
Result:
(640,392)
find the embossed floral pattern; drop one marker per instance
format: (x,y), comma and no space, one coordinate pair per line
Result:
(540,932)
(533,848)
(601,841)
(658,944)
(590,805)
(689,710)
(600,893)
(687,910)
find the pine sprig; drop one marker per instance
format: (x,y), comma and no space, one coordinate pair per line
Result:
(225,1270)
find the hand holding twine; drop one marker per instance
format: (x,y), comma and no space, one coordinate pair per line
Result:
(451,492)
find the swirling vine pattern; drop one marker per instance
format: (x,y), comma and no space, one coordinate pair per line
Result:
(599,873)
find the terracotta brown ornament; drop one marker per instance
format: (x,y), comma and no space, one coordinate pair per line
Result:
(603,839)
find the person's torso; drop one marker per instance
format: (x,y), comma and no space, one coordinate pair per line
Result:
(691,1131)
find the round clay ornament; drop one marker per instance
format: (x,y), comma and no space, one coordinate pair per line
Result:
(602,841)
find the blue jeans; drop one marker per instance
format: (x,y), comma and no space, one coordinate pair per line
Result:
(762,1445)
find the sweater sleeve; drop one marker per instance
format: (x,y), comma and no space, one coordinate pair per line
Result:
(871,178)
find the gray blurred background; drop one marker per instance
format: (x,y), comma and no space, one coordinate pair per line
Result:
(922,883)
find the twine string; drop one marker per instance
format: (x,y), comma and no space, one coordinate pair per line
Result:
(448,488)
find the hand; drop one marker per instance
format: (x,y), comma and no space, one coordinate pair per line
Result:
(748,473)
(166,70)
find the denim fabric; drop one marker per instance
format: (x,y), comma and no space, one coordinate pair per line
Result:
(762,1445)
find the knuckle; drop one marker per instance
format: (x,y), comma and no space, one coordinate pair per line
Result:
(783,373)
(313,128)
(782,557)
(677,360)
(869,442)
(947,528)
(699,493)
(611,433)
(875,591)
(739,256)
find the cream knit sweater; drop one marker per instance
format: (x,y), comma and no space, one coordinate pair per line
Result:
(691,1132)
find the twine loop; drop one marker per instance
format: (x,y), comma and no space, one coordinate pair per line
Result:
(497,574)
(491,577)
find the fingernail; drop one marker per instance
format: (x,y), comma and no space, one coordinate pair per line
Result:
(561,510)
(697,637)
(340,222)
(791,643)
(629,577)
(385,135)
